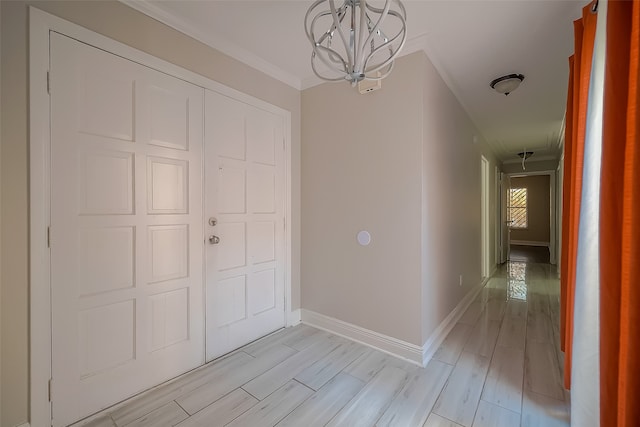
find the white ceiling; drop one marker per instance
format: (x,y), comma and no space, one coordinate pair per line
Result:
(469,42)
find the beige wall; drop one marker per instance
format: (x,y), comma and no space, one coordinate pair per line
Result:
(0,217)
(451,227)
(361,170)
(400,163)
(117,21)
(538,207)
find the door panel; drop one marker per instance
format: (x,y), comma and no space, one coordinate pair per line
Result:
(244,192)
(126,228)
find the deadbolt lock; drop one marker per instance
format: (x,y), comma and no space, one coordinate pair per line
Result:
(212,221)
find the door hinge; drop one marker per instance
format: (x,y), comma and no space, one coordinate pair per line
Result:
(49,82)
(50,391)
(48,237)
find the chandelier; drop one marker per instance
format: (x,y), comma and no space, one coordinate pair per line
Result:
(349,42)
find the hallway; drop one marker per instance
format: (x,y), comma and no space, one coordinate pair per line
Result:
(499,366)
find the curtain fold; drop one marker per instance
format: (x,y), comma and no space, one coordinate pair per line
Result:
(585,349)
(577,102)
(619,224)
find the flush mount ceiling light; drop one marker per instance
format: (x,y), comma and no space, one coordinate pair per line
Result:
(507,84)
(348,40)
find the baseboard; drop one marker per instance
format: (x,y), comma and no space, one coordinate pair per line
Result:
(398,348)
(294,317)
(440,333)
(24,425)
(528,243)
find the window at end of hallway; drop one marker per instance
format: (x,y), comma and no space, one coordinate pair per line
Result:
(517,208)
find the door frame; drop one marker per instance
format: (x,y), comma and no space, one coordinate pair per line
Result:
(505,231)
(40,25)
(498,216)
(553,244)
(485,191)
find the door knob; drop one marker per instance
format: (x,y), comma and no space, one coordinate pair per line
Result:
(214,240)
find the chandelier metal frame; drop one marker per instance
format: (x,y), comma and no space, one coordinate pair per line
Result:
(362,40)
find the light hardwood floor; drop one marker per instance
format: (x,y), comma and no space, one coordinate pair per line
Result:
(499,366)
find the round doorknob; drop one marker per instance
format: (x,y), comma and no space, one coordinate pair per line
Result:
(214,240)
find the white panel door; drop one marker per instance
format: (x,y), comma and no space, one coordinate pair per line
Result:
(126,228)
(244,190)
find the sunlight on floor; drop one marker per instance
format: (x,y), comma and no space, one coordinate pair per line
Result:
(516,280)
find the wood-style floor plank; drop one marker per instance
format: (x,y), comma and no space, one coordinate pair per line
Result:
(287,336)
(167,415)
(266,383)
(483,337)
(512,333)
(302,341)
(227,381)
(451,347)
(538,303)
(489,415)
(539,327)
(495,308)
(223,411)
(472,313)
(517,309)
(164,394)
(318,374)
(459,399)
(435,420)
(371,362)
(318,410)
(503,385)
(367,406)
(104,421)
(275,407)
(541,370)
(412,405)
(543,411)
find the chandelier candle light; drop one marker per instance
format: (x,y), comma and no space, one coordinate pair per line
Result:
(349,42)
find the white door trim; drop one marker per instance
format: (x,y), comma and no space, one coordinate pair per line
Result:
(485,191)
(552,209)
(40,25)
(497,219)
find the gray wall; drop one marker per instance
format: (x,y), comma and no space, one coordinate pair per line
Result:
(119,22)
(538,207)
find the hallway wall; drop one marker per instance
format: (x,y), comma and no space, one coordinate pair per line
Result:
(538,207)
(400,162)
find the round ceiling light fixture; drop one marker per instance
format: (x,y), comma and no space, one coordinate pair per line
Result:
(507,84)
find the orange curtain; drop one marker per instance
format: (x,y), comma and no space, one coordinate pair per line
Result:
(576,119)
(620,221)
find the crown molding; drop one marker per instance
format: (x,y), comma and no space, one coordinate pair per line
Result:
(230,49)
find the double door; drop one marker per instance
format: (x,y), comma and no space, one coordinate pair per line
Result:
(140,161)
